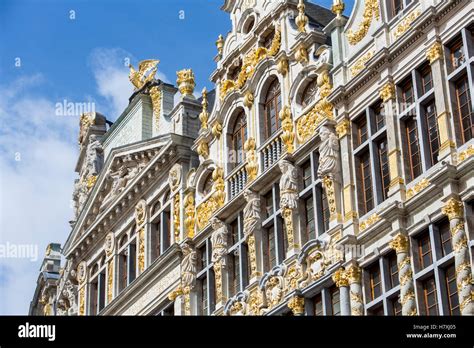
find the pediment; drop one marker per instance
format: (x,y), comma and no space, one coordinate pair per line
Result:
(124,168)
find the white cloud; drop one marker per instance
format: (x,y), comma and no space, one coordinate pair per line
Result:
(37,157)
(110,68)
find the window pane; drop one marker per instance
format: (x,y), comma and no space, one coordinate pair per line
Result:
(384,167)
(464,109)
(452,290)
(430,296)
(335,301)
(393,269)
(433,135)
(424,251)
(413,149)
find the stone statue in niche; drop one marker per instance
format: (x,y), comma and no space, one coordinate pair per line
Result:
(219,239)
(328,154)
(94,156)
(79,196)
(188,267)
(288,185)
(252,212)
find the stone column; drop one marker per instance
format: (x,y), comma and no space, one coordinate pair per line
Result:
(405,274)
(453,209)
(252,232)
(219,240)
(387,94)
(342,282)
(434,54)
(343,132)
(296,304)
(289,204)
(329,172)
(354,277)
(188,275)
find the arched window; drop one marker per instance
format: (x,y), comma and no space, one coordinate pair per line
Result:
(309,93)
(207,186)
(272,106)
(239,135)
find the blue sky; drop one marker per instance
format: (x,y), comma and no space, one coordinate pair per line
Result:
(80,59)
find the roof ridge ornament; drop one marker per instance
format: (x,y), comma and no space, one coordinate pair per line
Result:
(301,19)
(146,72)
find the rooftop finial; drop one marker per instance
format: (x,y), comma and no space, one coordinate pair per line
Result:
(338,8)
(301,19)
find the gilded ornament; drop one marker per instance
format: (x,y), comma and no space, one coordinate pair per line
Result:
(204,115)
(248,99)
(203,149)
(371,10)
(359,65)
(217,130)
(140,212)
(435,52)
(301,20)
(186,82)
(176,216)
(343,127)
(399,243)
(340,278)
(338,8)
(82,301)
(141,249)
(307,124)
(301,54)
(282,66)
(90,181)
(354,274)
(206,209)
(331,196)
(467,153)
(175,293)
(250,61)
(251,158)
(296,304)
(110,281)
(387,92)
(369,222)
(405,24)
(155,95)
(420,186)
(453,209)
(146,72)
(190,212)
(292,277)
(288,134)
(220,45)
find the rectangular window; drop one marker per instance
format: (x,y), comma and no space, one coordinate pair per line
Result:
(93,297)
(335,301)
(123,273)
(397,7)
(234,227)
(407,94)
(424,251)
(325,210)
(413,149)
(318,305)
(307,171)
(379,116)
(464,109)
(375,281)
(426,79)
(202,257)
(433,134)
(270,249)
(445,237)
(378,311)
(393,269)
(457,54)
(204,298)
(396,307)
(430,296)
(101,303)
(132,262)
(382,150)
(310,218)
(366,194)
(362,131)
(235,274)
(268,198)
(452,290)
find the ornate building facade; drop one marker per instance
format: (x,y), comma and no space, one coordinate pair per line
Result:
(330,172)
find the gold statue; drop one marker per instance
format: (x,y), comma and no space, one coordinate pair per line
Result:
(146,72)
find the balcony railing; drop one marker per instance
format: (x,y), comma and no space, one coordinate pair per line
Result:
(271,152)
(237,181)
